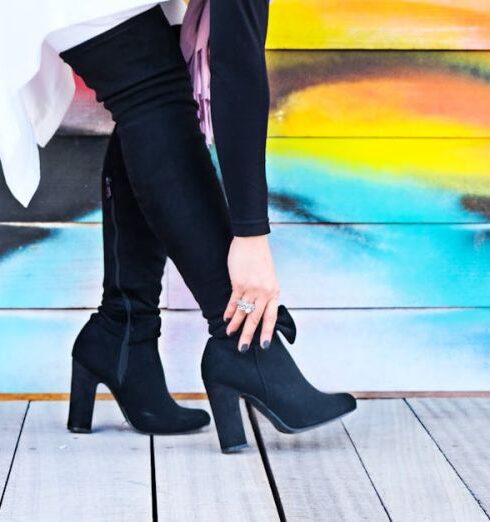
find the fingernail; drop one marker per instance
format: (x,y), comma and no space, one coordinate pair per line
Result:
(266,345)
(243,348)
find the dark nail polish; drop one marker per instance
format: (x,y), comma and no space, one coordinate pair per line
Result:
(266,345)
(243,348)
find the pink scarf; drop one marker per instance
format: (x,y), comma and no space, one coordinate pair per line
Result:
(194,39)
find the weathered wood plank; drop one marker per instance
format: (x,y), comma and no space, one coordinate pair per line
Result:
(379,180)
(350,180)
(347,266)
(34,258)
(379,94)
(374,350)
(195,481)
(361,93)
(319,475)
(357,266)
(412,477)
(460,428)
(59,476)
(392,24)
(70,183)
(11,417)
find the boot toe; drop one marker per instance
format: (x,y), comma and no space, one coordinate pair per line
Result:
(195,419)
(202,417)
(346,403)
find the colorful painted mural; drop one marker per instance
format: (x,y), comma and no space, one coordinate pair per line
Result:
(348,266)
(380,93)
(379,177)
(361,350)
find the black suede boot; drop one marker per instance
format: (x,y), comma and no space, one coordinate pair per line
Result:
(137,71)
(269,380)
(118,346)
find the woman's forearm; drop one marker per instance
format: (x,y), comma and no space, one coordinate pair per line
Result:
(240,108)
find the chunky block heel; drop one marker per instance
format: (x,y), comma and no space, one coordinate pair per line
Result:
(225,405)
(82,399)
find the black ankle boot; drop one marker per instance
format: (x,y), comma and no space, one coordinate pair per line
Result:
(269,380)
(118,346)
(141,394)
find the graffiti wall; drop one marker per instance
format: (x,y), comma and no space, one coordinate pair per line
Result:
(379,178)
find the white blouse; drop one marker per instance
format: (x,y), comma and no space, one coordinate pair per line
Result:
(36,86)
(63,39)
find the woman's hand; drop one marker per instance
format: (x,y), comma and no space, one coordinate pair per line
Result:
(254,280)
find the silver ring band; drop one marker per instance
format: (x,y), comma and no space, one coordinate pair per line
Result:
(245,306)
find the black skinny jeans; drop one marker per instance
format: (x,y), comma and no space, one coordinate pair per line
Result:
(137,70)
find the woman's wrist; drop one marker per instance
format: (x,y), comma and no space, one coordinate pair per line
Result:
(251,239)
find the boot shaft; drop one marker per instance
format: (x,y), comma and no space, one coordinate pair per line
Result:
(134,258)
(137,70)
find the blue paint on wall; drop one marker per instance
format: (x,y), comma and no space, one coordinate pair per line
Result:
(330,192)
(65,270)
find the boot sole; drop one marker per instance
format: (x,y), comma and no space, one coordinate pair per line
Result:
(75,429)
(279,424)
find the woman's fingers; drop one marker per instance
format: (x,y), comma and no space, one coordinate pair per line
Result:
(251,322)
(232,304)
(265,309)
(239,315)
(253,278)
(269,319)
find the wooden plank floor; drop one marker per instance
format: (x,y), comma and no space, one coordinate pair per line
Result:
(391,460)
(12,415)
(58,475)
(240,490)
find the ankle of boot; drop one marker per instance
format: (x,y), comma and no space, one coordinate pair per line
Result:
(141,327)
(284,324)
(217,327)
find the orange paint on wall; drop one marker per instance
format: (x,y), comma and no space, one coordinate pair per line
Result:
(407,103)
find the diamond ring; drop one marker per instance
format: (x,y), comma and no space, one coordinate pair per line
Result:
(245,306)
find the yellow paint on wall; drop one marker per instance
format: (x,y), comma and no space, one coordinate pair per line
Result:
(462,165)
(379,24)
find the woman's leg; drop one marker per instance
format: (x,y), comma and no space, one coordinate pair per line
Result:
(118,345)
(173,185)
(134,258)
(137,70)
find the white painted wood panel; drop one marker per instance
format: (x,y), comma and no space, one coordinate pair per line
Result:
(196,482)
(11,417)
(319,475)
(460,428)
(360,350)
(411,475)
(59,476)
